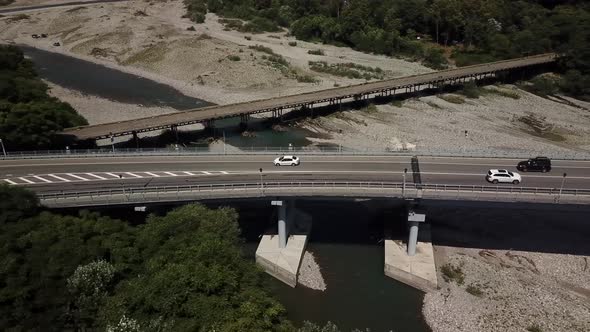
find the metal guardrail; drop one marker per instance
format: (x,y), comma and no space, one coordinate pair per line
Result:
(315,150)
(350,185)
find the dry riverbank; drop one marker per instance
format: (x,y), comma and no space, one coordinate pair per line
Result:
(526,273)
(150,39)
(508,121)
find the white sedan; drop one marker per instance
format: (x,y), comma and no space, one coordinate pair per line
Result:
(501,175)
(286,161)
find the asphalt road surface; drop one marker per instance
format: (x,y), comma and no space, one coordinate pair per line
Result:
(80,174)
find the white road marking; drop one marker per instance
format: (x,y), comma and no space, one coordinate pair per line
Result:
(77,177)
(59,178)
(96,176)
(26,180)
(42,179)
(113,175)
(135,175)
(204,172)
(223,172)
(10,181)
(189,173)
(170,173)
(152,174)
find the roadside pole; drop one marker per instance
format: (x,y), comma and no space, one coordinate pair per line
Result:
(561,188)
(404,182)
(3,149)
(261,183)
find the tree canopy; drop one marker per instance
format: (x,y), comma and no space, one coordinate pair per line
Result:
(29,117)
(178,272)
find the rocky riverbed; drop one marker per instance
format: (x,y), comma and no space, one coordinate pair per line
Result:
(310,274)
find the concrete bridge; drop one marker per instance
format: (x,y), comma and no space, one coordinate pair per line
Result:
(141,180)
(276,106)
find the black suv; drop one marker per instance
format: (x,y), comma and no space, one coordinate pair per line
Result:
(541,164)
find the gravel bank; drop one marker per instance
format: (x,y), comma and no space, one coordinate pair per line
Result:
(495,125)
(543,281)
(310,274)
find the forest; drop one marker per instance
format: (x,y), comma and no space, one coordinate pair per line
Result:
(29,117)
(432,31)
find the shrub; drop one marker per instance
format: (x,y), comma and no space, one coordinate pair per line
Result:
(234,58)
(474,290)
(247,37)
(471,90)
(453,99)
(316,52)
(452,273)
(292,43)
(534,328)
(262,49)
(191,28)
(306,79)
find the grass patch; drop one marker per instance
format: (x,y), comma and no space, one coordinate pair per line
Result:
(534,328)
(149,55)
(453,99)
(433,105)
(453,273)
(247,37)
(542,86)
(203,36)
(275,37)
(504,93)
(371,108)
(19,17)
(262,49)
(234,58)
(474,290)
(316,52)
(397,103)
(471,90)
(232,24)
(350,70)
(292,43)
(307,79)
(6,2)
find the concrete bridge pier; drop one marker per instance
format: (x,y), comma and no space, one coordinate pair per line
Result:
(244,118)
(413,263)
(281,249)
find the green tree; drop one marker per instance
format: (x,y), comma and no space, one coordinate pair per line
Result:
(16,203)
(195,278)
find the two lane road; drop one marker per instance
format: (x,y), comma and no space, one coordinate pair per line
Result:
(79,174)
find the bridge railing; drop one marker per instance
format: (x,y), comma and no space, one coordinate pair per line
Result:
(308,150)
(138,194)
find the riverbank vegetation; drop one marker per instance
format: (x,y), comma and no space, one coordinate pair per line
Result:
(29,117)
(467,31)
(177,272)
(183,271)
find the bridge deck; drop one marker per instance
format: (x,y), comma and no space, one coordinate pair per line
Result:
(287,102)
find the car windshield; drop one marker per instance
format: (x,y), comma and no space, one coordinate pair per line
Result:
(489,172)
(510,173)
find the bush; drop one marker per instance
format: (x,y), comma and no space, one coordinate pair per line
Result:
(262,49)
(453,99)
(474,290)
(234,58)
(471,90)
(542,86)
(306,79)
(452,273)
(350,70)
(316,52)
(292,43)
(435,59)
(534,328)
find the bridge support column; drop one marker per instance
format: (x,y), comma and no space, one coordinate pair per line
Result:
(414,264)
(244,120)
(414,219)
(136,139)
(280,256)
(282,222)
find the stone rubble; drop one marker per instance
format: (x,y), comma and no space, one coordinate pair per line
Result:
(310,274)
